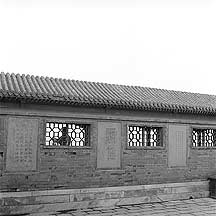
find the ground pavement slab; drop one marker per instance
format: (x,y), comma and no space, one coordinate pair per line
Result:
(192,207)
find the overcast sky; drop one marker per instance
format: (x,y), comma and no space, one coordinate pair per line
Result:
(152,43)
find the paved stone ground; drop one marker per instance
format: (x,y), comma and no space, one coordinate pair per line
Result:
(192,207)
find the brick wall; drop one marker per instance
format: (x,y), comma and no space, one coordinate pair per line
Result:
(76,168)
(3,136)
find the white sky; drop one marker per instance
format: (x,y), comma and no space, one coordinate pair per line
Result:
(154,43)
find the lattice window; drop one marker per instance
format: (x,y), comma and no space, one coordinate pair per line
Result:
(142,136)
(204,138)
(67,134)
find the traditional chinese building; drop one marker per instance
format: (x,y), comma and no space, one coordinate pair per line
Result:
(67,143)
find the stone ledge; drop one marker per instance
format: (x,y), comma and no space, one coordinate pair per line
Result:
(44,201)
(103,189)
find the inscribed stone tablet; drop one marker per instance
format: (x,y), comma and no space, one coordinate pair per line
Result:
(109,145)
(22,144)
(177,145)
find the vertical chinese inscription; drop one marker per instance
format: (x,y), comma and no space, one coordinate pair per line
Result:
(177,145)
(109,145)
(22,144)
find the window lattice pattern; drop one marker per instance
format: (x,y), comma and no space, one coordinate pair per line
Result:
(144,136)
(67,134)
(204,137)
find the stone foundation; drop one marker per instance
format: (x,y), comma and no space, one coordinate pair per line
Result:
(55,200)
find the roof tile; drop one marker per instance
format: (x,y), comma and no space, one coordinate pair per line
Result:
(16,87)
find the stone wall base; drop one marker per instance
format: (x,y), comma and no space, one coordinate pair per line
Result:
(56,200)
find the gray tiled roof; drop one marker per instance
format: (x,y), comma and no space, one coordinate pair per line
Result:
(26,88)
